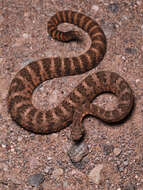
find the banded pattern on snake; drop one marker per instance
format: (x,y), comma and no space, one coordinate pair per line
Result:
(27,79)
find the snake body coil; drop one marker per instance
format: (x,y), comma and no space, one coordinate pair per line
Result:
(27,79)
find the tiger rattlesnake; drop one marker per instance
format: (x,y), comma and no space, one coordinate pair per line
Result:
(27,79)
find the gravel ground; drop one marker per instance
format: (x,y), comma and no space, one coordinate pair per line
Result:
(110,157)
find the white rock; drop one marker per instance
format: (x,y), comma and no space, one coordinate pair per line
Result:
(25,35)
(47,169)
(94,175)
(117,151)
(19,138)
(49,158)
(95,8)
(3,146)
(58,172)
(137,80)
(139,2)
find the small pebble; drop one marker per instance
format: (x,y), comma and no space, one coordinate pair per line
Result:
(65,184)
(108,149)
(35,180)
(95,8)
(108,30)
(113,7)
(139,2)
(25,35)
(49,158)
(117,151)
(58,172)
(19,138)
(130,187)
(77,152)
(137,80)
(48,170)
(94,175)
(3,145)
(121,169)
(126,163)
(130,50)
(12,150)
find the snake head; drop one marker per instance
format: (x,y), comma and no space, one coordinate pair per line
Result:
(73,36)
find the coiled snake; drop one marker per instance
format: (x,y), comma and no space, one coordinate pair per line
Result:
(78,103)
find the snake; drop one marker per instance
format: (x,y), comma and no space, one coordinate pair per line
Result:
(78,103)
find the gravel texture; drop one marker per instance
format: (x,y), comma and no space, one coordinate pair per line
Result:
(114,160)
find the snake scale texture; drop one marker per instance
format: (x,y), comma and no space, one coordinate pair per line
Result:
(79,102)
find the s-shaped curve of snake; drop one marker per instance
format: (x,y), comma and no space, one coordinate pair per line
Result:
(27,79)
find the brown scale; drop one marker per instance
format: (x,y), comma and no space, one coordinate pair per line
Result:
(79,102)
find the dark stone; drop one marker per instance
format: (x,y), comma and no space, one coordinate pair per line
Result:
(130,187)
(108,149)
(131,50)
(77,152)
(35,180)
(126,163)
(113,7)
